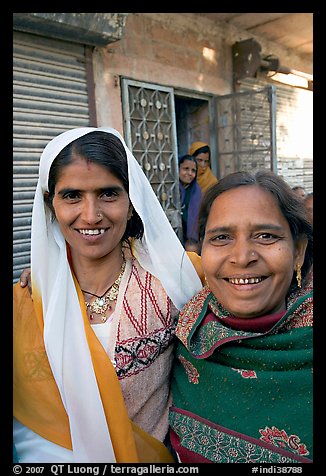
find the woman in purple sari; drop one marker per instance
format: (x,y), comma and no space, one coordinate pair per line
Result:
(190,197)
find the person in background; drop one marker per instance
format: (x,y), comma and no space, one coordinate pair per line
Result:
(300,191)
(190,197)
(93,349)
(309,204)
(192,245)
(202,153)
(242,376)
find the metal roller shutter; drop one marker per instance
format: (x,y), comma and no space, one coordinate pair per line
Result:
(49,97)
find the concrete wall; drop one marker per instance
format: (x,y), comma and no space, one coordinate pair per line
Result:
(172,49)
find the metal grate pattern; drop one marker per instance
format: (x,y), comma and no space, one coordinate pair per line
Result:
(49,97)
(246,131)
(150,133)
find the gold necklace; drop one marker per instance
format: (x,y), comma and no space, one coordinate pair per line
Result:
(103,303)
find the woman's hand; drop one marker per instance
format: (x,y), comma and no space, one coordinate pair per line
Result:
(25,280)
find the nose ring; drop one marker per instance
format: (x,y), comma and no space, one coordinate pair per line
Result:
(99,215)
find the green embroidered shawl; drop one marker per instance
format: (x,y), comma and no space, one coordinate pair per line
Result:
(244,396)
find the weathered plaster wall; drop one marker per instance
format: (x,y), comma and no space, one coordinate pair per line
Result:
(172,49)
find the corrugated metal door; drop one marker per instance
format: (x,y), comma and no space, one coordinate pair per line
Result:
(150,131)
(49,97)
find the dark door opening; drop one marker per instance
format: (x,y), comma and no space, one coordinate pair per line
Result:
(192,122)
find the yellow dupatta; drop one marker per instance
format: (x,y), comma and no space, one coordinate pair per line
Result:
(37,401)
(205,178)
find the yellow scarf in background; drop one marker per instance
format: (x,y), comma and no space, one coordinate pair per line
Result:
(195,146)
(205,177)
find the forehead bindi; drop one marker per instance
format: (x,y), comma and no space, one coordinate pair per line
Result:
(82,165)
(83,174)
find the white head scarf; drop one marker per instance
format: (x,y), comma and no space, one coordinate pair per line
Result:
(159,251)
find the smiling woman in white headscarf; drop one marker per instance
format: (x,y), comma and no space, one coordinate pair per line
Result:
(93,350)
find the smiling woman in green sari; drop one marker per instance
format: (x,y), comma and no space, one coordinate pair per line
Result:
(242,378)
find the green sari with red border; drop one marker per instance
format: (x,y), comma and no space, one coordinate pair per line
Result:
(243,396)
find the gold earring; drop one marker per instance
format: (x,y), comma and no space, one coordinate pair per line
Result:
(298,270)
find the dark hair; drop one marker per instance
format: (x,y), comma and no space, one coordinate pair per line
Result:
(101,148)
(291,206)
(192,241)
(187,157)
(203,150)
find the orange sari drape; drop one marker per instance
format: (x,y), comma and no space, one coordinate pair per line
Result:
(37,401)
